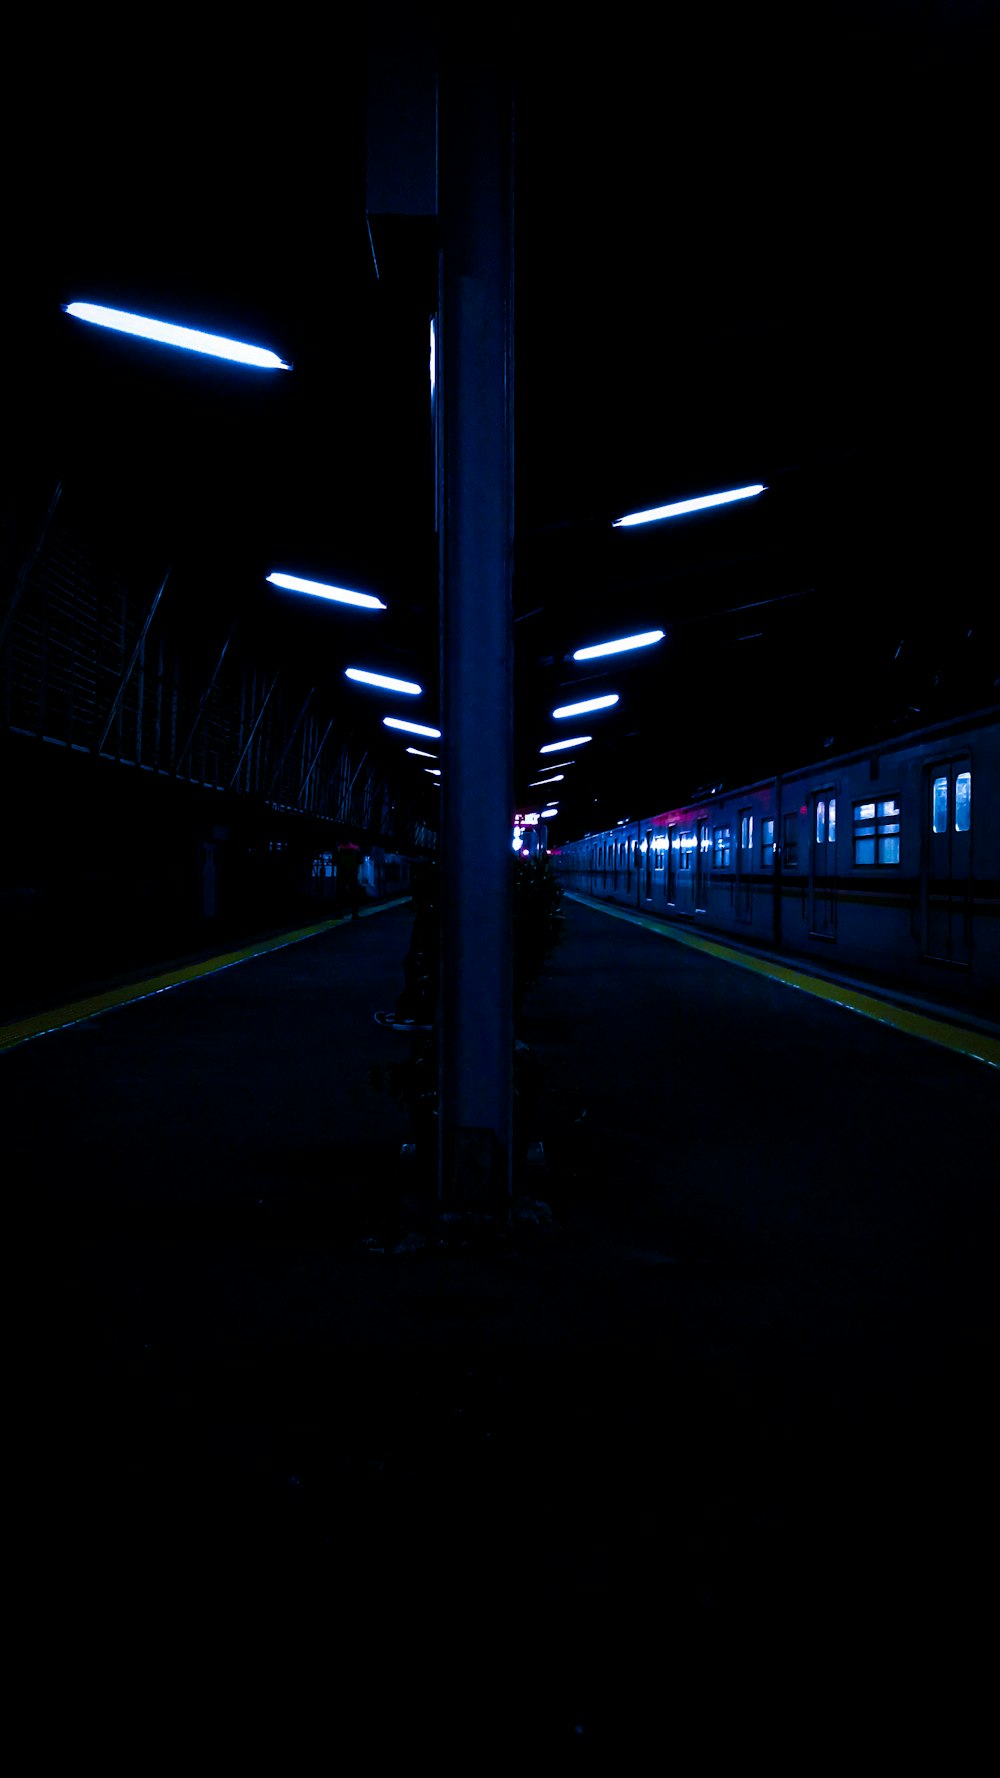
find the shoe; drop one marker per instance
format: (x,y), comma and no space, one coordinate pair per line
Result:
(390,1020)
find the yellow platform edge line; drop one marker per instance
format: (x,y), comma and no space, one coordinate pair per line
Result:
(57,1018)
(975,1044)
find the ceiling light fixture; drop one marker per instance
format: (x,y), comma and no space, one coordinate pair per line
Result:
(588,704)
(646,640)
(165,333)
(412,728)
(381,679)
(678,507)
(318,589)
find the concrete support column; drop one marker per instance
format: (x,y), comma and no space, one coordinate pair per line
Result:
(475,524)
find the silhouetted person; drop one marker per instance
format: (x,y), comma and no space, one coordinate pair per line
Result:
(417,1004)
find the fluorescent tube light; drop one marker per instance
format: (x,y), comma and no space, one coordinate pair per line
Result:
(381,679)
(166,334)
(318,589)
(588,704)
(412,728)
(674,511)
(647,638)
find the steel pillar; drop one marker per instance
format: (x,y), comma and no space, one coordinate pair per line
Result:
(475,524)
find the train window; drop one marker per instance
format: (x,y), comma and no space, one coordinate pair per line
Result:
(658,854)
(826,820)
(746,833)
(723,848)
(767,842)
(790,858)
(687,851)
(963,802)
(876,832)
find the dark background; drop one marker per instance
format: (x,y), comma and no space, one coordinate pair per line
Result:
(751,246)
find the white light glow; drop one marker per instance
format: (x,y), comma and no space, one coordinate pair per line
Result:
(678,507)
(318,589)
(539,781)
(166,334)
(387,684)
(434,771)
(412,728)
(548,813)
(645,640)
(421,754)
(588,704)
(557,746)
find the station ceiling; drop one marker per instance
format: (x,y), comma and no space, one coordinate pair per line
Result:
(747,250)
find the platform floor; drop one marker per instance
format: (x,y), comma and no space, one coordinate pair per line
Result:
(691,1459)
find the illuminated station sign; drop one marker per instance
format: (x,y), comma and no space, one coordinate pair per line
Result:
(525,835)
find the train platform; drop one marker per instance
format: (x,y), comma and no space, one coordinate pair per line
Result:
(688,1457)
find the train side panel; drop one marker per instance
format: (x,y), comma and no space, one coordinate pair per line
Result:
(885,861)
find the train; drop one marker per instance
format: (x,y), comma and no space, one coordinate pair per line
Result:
(381,874)
(883,862)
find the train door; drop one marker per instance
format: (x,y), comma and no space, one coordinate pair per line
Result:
(702,863)
(744,867)
(823,866)
(673,847)
(684,888)
(946,885)
(648,863)
(660,864)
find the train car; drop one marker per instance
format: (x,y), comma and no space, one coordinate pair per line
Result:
(383,874)
(884,861)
